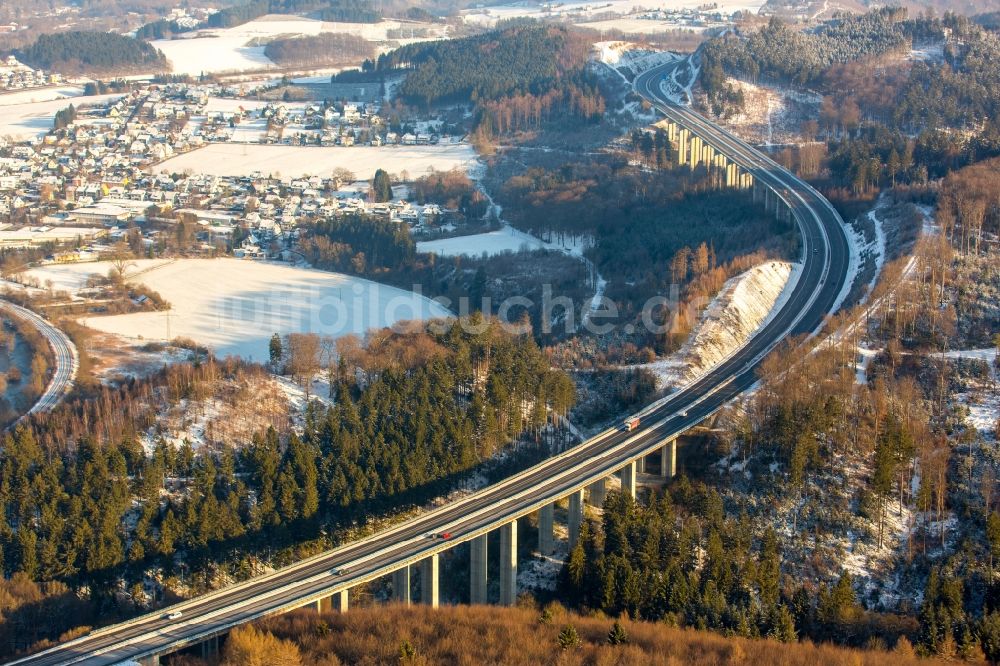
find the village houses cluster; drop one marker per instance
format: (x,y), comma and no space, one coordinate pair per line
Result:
(80,187)
(15,75)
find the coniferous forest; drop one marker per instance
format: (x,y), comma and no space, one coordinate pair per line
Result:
(409,414)
(92,52)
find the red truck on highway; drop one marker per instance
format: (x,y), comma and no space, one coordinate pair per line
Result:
(630,424)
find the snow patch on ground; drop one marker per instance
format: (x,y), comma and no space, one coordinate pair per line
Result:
(771,115)
(541,572)
(877,248)
(222,419)
(982,404)
(226,159)
(630,57)
(745,303)
(319,391)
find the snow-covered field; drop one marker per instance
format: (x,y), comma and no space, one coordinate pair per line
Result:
(241,48)
(33,119)
(745,303)
(233,306)
(45,94)
(506,239)
(222,159)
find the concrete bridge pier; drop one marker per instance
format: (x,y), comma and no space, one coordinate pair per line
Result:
(151,660)
(721,163)
(210,648)
(401,585)
(628,478)
(508,563)
(732,175)
(575,519)
(696,146)
(598,491)
(668,459)
(682,147)
(477,573)
(429,581)
(341,600)
(546,517)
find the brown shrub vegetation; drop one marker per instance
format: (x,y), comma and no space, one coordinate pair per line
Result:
(490,635)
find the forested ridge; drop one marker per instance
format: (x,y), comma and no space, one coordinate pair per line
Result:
(845,59)
(779,53)
(350,11)
(86,505)
(516,77)
(81,51)
(324,49)
(491,65)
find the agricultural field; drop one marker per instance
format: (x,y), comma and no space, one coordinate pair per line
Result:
(241,48)
(226,159)
(27,120)
(234,306)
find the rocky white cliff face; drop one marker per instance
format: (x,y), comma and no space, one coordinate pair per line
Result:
(741,308)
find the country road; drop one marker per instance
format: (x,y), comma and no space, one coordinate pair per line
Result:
(67,360)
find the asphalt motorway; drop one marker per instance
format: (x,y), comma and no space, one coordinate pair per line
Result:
(825,259)
(64,352)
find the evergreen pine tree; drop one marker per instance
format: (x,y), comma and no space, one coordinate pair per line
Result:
(617,635)
(275,352)
(569,638)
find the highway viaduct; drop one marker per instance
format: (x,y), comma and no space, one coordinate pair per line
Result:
(413,548)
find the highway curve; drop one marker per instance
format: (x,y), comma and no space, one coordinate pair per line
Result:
(64,352)
(825,264)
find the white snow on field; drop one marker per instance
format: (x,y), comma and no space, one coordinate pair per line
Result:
(30,120)
(241,48)
(745,303)
(46,94)
(72,278)
(233,306)
(222,159)
(506,239)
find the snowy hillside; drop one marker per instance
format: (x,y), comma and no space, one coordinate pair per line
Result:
(743,306)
